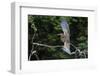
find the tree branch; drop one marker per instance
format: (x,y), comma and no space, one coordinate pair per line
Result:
(47,45)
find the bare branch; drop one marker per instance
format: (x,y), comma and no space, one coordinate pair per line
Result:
(47,45)
(33,53)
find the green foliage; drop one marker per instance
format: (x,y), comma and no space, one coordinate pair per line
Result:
(46,30)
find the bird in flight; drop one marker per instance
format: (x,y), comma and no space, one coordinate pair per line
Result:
(65,36)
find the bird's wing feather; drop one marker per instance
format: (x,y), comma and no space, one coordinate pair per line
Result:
(65,28)
(64,25)
(67,50)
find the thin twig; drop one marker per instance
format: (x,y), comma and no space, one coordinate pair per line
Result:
(37,57)
(33,53)
(47,45)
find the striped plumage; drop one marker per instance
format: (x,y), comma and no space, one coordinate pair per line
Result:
(65,37)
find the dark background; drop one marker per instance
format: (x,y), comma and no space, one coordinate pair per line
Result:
(46,29)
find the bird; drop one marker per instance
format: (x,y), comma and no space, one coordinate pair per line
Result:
(65,36)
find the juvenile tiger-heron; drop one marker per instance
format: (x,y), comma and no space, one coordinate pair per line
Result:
(65,36)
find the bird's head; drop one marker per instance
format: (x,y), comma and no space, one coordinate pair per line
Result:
(62,37)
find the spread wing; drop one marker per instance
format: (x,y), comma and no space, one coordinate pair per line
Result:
(65,29)
(65,26)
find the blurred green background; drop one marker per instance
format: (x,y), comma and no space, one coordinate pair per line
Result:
(46,30)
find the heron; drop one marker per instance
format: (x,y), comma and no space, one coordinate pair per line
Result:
(65,36)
